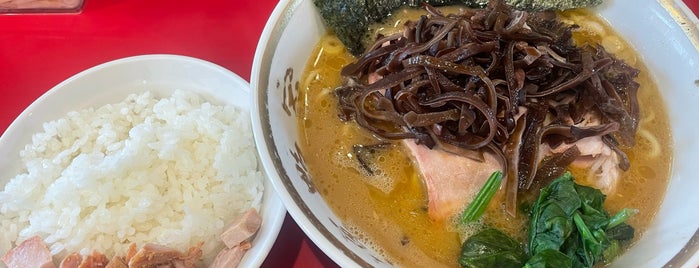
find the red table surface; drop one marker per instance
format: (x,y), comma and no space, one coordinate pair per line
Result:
(37,51)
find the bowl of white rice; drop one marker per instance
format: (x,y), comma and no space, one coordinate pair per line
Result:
(146,149)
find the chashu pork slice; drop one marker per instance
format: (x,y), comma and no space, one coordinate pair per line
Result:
(597,157)
(601,161)
(451,180)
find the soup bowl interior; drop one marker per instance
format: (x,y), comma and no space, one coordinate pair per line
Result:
(661,32)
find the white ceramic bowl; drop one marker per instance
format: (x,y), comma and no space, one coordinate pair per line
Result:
(665,34)
(111,82)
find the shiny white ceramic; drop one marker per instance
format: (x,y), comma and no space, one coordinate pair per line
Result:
(663,31)
(111,82)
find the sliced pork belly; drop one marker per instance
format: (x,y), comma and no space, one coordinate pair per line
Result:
(451,180)
(32,253)
(596,156)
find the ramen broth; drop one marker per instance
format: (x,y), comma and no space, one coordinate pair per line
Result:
(388,210)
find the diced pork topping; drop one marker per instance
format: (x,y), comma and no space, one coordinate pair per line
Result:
(236,239)
(242,228)
(230,257)
(32,253)
(96,260)
(152,255)
(117,262)
(72,261)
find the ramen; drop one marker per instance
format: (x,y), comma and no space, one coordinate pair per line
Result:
(385,202)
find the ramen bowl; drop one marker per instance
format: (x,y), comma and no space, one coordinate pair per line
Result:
(664,33)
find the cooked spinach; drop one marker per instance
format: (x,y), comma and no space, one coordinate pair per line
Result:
(621,216)
(551,219)
(568,228)
(491,248)
(549,258)
(570,218)
(621,232)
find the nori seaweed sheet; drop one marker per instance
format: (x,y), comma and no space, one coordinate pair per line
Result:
(350,19)
(541,5)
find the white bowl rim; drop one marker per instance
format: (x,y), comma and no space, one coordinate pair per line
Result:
(261,65)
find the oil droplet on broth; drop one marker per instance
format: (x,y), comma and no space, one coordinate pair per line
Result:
(324,103)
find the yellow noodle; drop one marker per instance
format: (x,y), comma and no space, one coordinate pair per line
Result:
(652,141)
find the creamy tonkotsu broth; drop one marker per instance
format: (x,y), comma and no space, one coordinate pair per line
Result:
(388,210)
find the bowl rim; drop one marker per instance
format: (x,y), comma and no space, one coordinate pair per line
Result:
(262,61)
(268,43)
(274,209)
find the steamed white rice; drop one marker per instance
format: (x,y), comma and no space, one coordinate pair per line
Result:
(171,171)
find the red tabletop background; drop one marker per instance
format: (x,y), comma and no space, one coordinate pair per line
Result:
(37,51)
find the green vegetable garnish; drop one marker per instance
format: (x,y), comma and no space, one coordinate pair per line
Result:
(482,199)
(621,217)
(569,228)
(549,259)
(591,248)
(491,248)
(621,232)
(570,218)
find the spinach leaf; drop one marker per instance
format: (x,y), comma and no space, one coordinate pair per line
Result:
(569,228)
(592,201)
(491,248)
(591,246)
(570,219)
(590,197)
(620,232)
(621,217)
(612,251)
(552,213)
(549,258)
